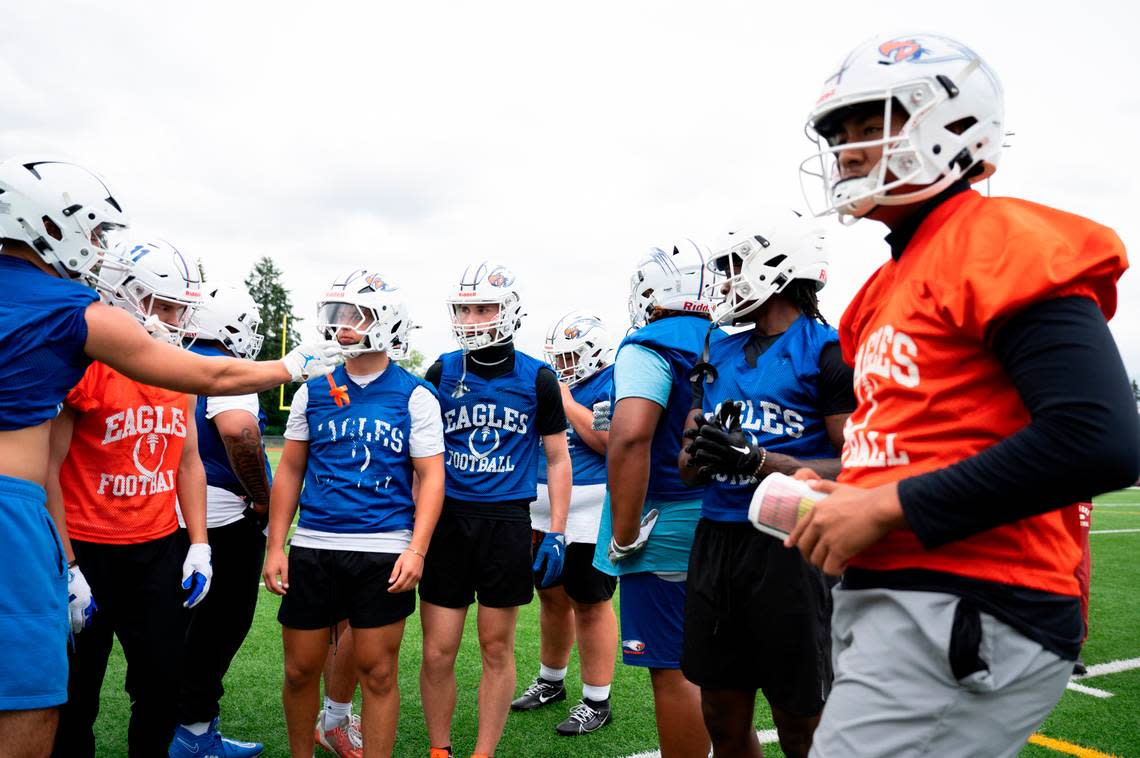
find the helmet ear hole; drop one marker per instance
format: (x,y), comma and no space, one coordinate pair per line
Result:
(961,125)
(52,228)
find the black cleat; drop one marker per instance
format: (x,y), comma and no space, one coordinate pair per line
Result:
(585,717)
(538,694)
(1079,668)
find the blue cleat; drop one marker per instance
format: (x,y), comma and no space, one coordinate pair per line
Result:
(211,745)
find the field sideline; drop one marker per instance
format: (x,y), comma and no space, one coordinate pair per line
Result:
(1086,722)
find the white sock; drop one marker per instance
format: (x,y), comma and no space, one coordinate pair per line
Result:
(336,712)
(596,693)
(198,728)
(551,675)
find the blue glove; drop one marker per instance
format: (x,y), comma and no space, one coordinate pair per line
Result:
(197,571)
(80,605)
(552,552)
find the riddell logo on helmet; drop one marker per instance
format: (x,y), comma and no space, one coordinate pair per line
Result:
(823,275)
(698,307)
(902,50)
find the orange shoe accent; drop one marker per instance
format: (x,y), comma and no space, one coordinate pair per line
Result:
(440,752)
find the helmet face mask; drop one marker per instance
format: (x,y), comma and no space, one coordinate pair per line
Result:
(230,316)
(946,107)
(139,277)
(367,305)
(761,259)
(63,212)
(576,347)
(485,284)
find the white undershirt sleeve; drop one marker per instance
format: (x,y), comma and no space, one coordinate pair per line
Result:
(297,427)
(427,424)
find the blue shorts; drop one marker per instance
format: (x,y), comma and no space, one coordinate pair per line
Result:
(652,621)
(33,601)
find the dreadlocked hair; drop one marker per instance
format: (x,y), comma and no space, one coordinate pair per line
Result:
(802,293)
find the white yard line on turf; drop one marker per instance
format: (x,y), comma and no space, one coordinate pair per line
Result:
(1111,667)
(1088,690)
(1102,669)
(766,737)
(1113,531)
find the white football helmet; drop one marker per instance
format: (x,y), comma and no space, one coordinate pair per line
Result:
(62,211)
(230,316)
(673,278)
(576,346)
(137,273)
(368,304)
(954,110)
(762,259)
(483,283)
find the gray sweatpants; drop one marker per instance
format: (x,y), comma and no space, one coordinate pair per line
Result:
(896,693)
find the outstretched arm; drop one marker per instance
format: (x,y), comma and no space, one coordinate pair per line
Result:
(115,338)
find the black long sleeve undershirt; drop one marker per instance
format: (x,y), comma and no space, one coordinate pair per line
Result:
(1083,438)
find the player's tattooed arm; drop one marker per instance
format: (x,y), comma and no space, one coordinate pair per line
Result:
(242,439)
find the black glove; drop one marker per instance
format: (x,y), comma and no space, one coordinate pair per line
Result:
(720,446)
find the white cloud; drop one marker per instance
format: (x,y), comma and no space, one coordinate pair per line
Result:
(563,140)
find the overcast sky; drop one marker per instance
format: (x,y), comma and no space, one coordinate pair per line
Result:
(560,139)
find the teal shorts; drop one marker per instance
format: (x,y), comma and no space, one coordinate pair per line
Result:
(34,624)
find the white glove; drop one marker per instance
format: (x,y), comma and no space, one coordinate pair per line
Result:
(601,416)
(80,605)
(312,359)
(197,571)
(617,552)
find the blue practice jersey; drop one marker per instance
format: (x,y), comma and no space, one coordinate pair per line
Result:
(490,433)
(358,479)
(781,404)
(679,340)
(210,446)
(43,330)
(589,467)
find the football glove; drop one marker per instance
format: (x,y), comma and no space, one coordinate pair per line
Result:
(720,446)
(618,552)
(80,605)
(552,553)
(197,571)
(601,416)
(312,359)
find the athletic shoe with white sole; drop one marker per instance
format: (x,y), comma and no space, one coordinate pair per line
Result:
(186,744)
(344,740)
(585,717)
(538,694)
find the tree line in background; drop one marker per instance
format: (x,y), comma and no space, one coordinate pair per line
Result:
(266,289)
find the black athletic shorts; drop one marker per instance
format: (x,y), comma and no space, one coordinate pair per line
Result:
(583,583)
(471,556)
(329,586)
(757,616)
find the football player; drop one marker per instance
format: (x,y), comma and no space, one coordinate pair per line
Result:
(649,514)
(755,611)
(238,478)
(354,438)
(577,605)
(497,404)
(990,396)
(123,454)
(56,220)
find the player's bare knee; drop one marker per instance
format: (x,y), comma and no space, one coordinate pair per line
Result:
(299,675)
